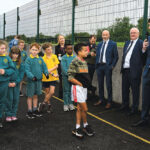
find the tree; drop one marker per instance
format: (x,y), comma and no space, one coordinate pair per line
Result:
(119,31)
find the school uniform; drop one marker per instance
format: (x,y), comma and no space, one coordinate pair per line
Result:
(34,67)
(6,64)
(13,92)
(65,62)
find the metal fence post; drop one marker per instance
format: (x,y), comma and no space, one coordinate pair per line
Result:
(4,23)
(73,20)
(18,19)
(145,19)
(38,19)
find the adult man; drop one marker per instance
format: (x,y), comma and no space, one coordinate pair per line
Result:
(106,59)
(131,69)
(145,85)
(91,55)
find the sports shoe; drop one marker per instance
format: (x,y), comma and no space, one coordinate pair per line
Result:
(30,115)
(49,109)
(78,133)
(66,108)
(88,130)
(71,107)
(21,94)
(8,119)
(36,113)
(41,107)
(14,118)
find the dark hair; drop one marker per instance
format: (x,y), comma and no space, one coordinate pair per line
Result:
(46,45)
(149,20)
(78,47)
(66,45)
(92,36)
(16,50)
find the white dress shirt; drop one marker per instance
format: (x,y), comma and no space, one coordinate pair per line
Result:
(129,54)
(106,45)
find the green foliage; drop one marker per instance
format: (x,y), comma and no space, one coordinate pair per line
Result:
(119,31)
(140,26)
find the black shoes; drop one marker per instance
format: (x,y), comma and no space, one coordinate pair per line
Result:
(49,109)
(140,123)
(124,108)
(41,107)
(80,132)
(88,130)
(30,115)
(132,112)
(36,113)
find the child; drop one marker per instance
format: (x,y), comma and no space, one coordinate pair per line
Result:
(49,84)
(6,70)
(24,56)
(79,77)
(65,62)
(34,68)
(14,85)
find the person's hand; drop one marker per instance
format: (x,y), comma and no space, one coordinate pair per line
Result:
(56,75)
(34,79)
(49,70)
(13,84)
(10,84)
(145,45)
(2,71)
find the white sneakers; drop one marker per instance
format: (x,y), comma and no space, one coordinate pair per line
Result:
(69,107)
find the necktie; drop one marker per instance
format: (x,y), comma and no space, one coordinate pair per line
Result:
(126,52)
(102,52)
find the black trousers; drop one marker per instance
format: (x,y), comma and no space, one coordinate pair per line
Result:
(134,84)
(91,69)
(146,97)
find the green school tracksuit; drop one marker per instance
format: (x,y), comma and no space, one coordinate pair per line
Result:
(13,92)
(6,64)
(23,55)
(65,62)
(34,67)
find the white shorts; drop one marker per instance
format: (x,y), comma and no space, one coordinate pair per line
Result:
(78,94)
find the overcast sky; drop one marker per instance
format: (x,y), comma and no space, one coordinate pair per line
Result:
(7,5)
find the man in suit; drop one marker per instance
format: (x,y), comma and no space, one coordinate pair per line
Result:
(106,59)
(145,85)
(131,69)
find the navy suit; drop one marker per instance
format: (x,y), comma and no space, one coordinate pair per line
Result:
(146,86)
(131,77)
(111,56)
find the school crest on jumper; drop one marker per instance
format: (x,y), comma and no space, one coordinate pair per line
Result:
(5,60)
(23,55)
(53,59)
(40,62)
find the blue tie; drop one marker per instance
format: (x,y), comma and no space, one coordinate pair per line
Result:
(102,52)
